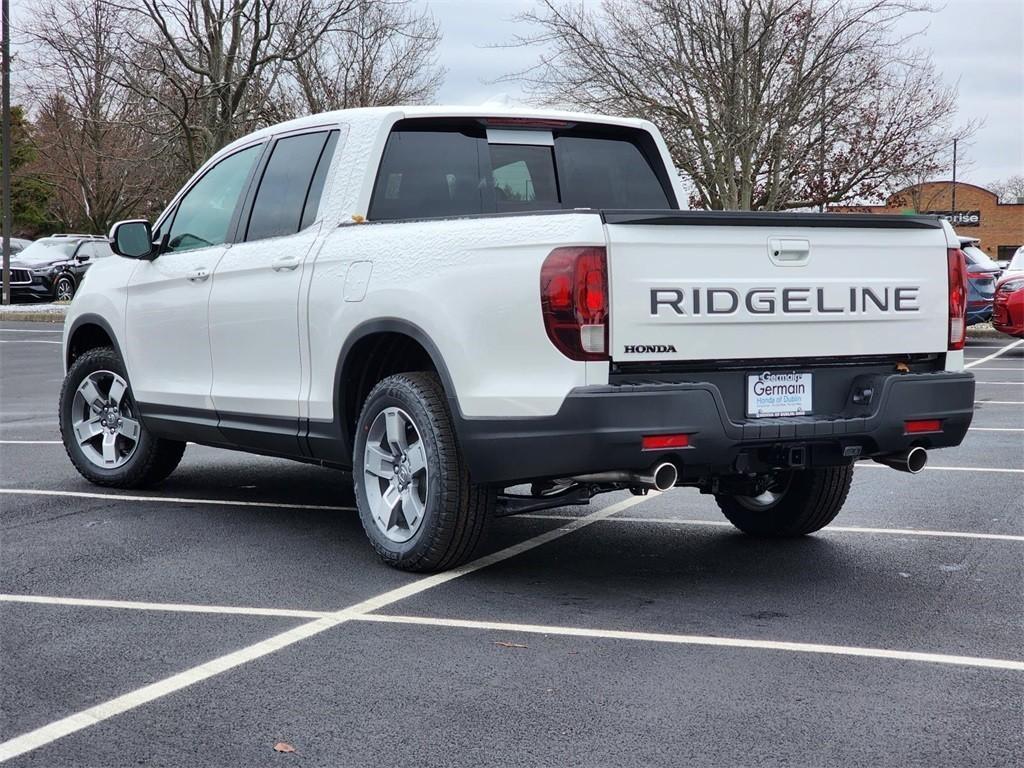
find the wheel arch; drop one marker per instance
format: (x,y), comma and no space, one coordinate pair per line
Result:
(87,332)
(391,345)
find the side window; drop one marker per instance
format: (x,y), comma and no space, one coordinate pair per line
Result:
(429,173)
(95,250)
(205,212)
(287,186)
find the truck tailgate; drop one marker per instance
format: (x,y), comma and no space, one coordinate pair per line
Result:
(698,286)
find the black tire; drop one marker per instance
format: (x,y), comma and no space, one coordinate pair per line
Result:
(810,499)
(64,285)
(154,458)
(455,511)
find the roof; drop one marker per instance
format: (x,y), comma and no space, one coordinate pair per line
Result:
(391,114)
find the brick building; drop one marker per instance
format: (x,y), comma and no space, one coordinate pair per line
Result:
(978,213)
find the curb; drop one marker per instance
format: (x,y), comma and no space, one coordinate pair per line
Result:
(986,333)
(32,317)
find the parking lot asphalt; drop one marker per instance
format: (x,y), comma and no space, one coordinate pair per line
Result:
(238,605)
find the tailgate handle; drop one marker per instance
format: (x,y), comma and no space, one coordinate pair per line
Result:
(789,252)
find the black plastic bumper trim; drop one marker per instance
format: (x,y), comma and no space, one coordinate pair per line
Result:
(599,429)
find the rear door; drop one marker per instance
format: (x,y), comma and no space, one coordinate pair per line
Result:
(699,286)
(254,303)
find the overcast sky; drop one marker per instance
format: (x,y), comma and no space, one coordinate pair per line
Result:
(977,44)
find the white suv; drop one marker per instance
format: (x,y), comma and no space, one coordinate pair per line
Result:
(451,302)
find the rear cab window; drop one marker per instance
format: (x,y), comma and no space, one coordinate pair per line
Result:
(444,168)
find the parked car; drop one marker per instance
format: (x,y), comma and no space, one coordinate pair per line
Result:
(982,274)
(452,303)
(52,268)
(1008,310)
(18,244)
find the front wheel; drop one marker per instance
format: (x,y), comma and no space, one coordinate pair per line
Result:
(796,503)
(64,289)
(415,499)
(101,429)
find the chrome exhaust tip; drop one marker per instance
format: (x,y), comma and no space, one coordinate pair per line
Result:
(664,476)
(660,477)
(912,461)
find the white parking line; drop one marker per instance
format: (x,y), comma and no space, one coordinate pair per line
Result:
(19,745)
(999,402)
(31,442)
(171,499)
(828,530)
(133,605)
(610,634)
(707,640)
(1001,351)
(28,341)
(995,429)
(1003,383)
(930,468)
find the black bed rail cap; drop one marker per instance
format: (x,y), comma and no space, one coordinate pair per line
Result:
(773,219)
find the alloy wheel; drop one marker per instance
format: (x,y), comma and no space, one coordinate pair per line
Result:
(771,495)
(104,421)
(396,475)
(64,290)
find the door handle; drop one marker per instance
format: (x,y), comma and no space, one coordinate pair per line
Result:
(285,263)
(789,252)
(198,275)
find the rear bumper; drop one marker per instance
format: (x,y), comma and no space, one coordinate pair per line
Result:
(600,429)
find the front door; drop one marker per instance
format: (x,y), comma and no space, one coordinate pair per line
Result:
(167,341)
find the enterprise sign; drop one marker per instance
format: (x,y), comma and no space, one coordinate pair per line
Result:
(959,218)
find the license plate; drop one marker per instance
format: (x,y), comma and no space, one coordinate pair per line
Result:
(775,393)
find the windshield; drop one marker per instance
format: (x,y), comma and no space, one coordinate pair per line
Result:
(978,257)
(48,250)
(1017,265)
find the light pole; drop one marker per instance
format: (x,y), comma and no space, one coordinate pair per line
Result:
(5,139)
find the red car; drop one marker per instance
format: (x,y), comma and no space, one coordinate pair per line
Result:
(1008,305)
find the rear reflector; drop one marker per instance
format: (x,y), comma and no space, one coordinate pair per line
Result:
(663,442)
(921,426)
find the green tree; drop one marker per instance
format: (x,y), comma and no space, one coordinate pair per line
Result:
(30,194)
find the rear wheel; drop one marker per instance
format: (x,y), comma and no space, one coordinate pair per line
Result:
(796,503)
(101,429)
(415,499)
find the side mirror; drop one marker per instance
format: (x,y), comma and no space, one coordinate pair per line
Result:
(132,239)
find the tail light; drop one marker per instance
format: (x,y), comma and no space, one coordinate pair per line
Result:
(957,298)
(574,301)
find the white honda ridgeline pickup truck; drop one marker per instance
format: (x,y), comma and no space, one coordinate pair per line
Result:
(452,302)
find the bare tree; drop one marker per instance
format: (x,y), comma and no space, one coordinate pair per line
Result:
(769,104)
(1009,190)
(91,149)
(386,55)
(203,60)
